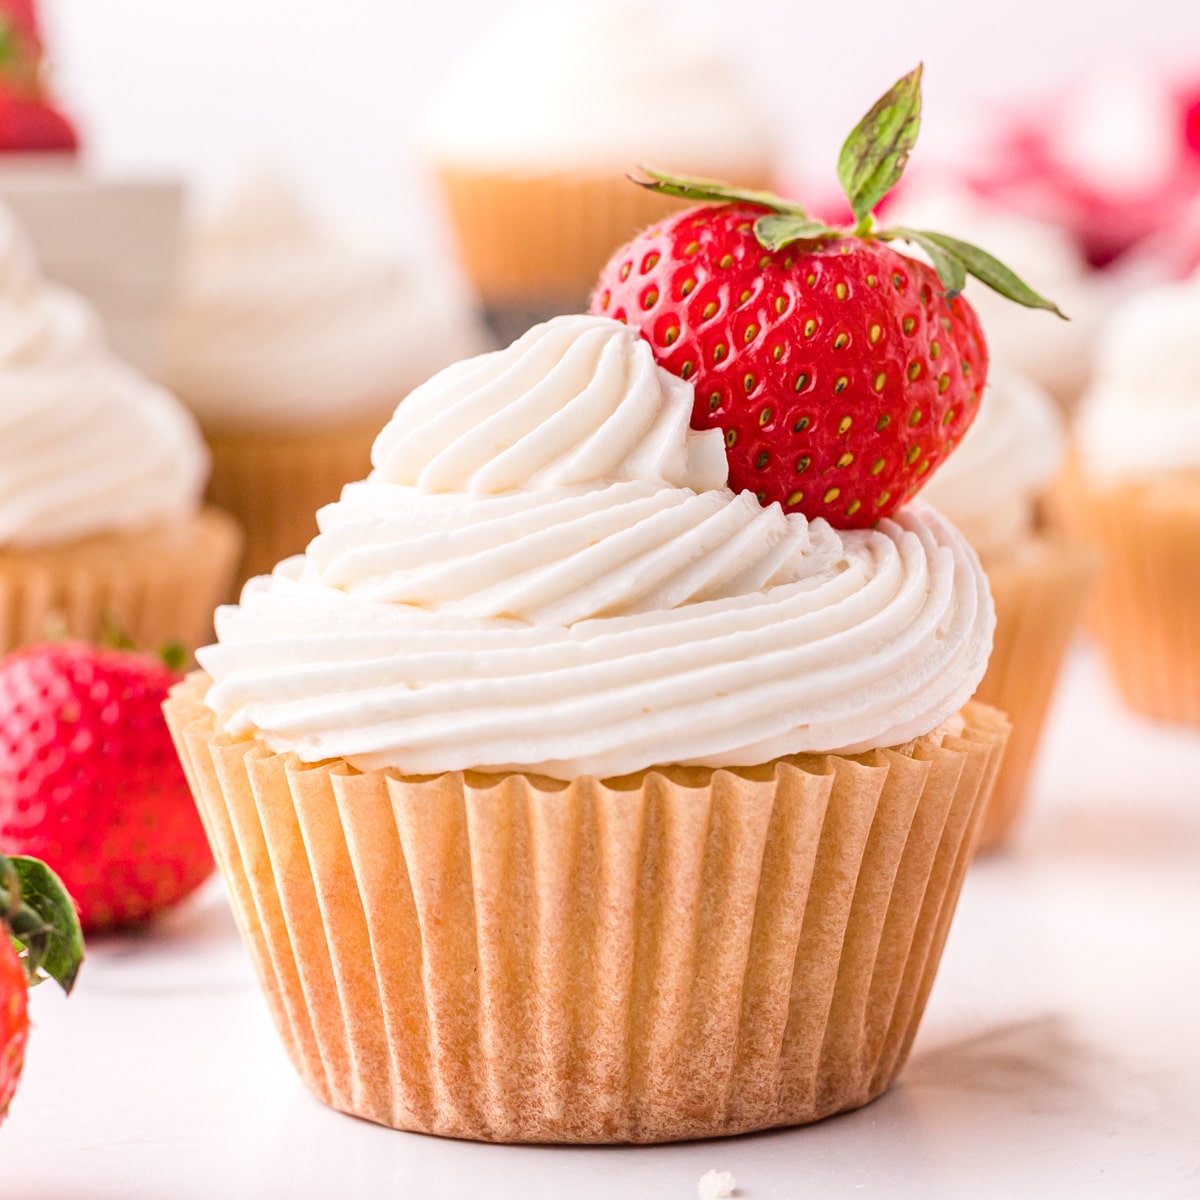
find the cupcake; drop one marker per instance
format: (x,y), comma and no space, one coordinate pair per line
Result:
(564,794)
(100,477)
(1057,355)
(532,136)
(992,488)
(1136,493)
(292,349)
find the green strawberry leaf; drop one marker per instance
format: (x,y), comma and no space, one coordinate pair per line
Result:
(994,273)
(951,269)
(41,919)
(173,655)
(776,230)
(711,191)
(873,157)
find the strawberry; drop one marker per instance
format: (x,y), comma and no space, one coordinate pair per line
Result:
(841,371)
(28,120)
(90,781)
(33,125)
(39,939)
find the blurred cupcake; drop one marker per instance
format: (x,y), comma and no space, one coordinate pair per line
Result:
(615,806)
(991,488)
(291,349)
(1137,494)
(534,134)
(1055,354)
(100,477)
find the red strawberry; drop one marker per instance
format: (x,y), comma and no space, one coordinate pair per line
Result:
(90,781)
(841,371)
(32,124)
(28,120)
(39,938)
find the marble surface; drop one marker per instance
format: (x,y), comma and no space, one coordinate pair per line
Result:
(1059,1057)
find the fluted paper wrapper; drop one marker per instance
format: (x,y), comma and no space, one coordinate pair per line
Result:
(1039,590)
(156,585)
(525,238)
(274,484)
(681,954)
(1146,608)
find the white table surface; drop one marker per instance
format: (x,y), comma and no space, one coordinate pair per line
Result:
(1059,1057)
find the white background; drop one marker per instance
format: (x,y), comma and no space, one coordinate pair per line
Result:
(334,91)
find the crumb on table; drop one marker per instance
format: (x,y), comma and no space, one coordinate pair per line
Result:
(716,1185)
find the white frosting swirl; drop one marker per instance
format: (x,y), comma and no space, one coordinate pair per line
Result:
(990,485)
(1142,413)
(545,572)
(279,326)
(1054,353)
(86,444)
(562,87)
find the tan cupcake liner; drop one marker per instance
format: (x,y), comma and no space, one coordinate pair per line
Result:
(1146,609)
(156,585)
(526,238)
(677,955)
(275,484)
(1040,592)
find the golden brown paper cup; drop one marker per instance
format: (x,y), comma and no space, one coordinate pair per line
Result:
(1146,609)
(525,238)
(274,484)
(680,954)
(1039,592)
(156,585)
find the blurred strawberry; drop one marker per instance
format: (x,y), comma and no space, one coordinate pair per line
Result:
(29,121)
(90,781)
(39,939)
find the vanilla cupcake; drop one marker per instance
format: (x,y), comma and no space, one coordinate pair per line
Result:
(1055,354)
(565,795)
(101,473)
(992,488)
(533,135)
(292,348)
(1137,494)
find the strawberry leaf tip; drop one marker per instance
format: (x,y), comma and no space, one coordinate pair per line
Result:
(874,156)
(712,191)
(954,260)
(776,230)
(39,916)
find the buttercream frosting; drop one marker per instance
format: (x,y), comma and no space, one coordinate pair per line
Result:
(563,87)
(990,485)
(279,326)
(545,571)
(86,444)
(1142,413)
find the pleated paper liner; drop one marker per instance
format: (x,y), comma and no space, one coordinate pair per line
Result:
(1040,592)
(274,484)
(527,237)
(156,585)
(1146,609)
(682,954)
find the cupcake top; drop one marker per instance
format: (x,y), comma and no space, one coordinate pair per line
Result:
(990,485)
(87,445)
(1142,413)
(562,87)
(280,327)
(546,572)
(1056,354)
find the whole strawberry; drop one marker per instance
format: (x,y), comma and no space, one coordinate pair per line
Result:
(39,939)
(90,781)
(29,121)
(841,371)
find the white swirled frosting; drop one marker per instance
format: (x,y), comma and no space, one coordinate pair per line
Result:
(1141,415)
(545,571)
(990,485)
(279,326)
(87,445)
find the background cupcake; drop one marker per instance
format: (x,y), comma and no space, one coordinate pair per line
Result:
(992,488)
(533,135)
(1136,493)
(292,349)
(100,477)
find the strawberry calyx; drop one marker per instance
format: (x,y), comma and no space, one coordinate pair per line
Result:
(113,636)
(39,917)
(20,63)
(871,163)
